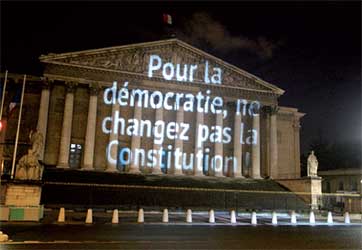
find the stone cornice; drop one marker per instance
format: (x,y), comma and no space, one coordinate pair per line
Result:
(82,75)
(71,72)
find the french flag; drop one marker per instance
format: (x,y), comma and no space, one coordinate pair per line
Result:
(167,19)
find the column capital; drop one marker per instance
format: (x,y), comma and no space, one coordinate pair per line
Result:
(94,88)
(296,124)
(270,110)
(70,86)
(274,109)
(46,82)
(230,104)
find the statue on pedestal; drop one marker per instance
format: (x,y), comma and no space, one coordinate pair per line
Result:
(312,165)
(28,167)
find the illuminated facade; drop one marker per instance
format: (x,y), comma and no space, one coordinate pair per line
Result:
(162,107)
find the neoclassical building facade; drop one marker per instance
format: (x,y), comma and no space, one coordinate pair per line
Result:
(99,111)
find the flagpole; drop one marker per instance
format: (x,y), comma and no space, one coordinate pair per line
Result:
(3,96)
(17,130)
(1,118)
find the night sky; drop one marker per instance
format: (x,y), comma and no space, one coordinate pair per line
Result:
(311,50)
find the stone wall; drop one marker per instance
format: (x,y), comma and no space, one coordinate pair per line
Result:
(288,143)
(22,195)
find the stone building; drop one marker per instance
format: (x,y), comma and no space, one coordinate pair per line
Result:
(342,189)
(71,106)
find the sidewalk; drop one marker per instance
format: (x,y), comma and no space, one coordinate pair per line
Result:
(179,217)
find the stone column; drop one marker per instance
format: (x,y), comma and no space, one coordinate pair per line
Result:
(112,166)
(157,168)
(273,144)
(199,120)
(63,159)
(43,115)
(255,150)
(296,126)
(91,130)
(238,172)
(136,142)
(178,142)
(218,148)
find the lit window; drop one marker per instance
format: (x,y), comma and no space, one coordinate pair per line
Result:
(164,160)
(205,163)
(75,155)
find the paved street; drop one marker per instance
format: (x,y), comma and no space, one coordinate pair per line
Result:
(180,236)
(177,234)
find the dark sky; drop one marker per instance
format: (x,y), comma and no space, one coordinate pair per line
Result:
(311,50)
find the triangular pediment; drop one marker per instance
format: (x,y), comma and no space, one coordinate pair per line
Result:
(135,59)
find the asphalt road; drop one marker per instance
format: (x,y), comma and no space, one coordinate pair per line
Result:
(173,236)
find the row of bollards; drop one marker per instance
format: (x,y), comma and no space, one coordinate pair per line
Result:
(165,219)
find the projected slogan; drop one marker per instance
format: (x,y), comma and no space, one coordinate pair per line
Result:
(159,130)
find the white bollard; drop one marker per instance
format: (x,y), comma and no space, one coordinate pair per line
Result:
(233,217)
(89,218)
(211,216)
(189,216)
(115,218)
(347,219)
(254,220)
(293,218)
(61,216)
(311,218)
(330,218)
(140,218)
(274,218)
(165,215)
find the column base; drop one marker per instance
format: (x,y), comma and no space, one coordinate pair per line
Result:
(111,170)
(256,177)
(239,176)
(87,168)
(219,175)
(199,174)
(62,165)
(178,172)
(157,171)
(134,171)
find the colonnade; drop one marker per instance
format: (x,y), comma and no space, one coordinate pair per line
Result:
(88,160)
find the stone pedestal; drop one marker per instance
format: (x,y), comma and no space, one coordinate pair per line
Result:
(308,188)
(22,202)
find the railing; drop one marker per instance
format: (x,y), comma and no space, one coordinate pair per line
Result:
(339,202)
